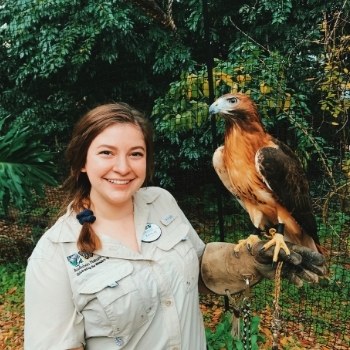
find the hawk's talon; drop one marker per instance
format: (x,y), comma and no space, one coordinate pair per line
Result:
(279,243)
(247,243)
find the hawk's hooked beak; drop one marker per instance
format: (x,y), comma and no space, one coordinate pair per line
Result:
(213,109)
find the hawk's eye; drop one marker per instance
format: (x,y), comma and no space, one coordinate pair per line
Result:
(232,100)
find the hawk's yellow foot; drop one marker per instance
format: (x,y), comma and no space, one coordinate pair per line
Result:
(278,241)
(249,242)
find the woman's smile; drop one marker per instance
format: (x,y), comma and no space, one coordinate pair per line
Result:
(118,182)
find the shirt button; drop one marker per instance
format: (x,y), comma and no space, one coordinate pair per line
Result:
(168,303)
(119,341)
(113,284)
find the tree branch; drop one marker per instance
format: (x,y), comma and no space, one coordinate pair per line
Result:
(154,11)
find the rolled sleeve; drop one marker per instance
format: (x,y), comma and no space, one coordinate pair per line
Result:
(51,319)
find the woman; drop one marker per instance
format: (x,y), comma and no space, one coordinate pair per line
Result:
(119,270)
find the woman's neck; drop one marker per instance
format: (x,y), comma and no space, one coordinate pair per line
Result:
(116,222)
(113,212)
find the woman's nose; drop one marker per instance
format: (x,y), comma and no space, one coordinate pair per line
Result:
(121,165)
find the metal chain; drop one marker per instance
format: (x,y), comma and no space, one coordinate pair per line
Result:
(245,310)
(247,316)
(276,321)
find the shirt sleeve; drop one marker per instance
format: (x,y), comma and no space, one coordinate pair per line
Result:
(51,319)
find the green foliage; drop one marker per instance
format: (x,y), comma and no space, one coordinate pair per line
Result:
(221,337)
(64,39)
(279,11)
(12,284)
(334,81)
(340,280)
(284,24)
(181,117)
(311,301)
(333,225)
(25,166)
(182,128)
(59,58)
(336,290)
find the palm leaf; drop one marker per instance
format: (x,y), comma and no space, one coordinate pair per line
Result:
(25,166)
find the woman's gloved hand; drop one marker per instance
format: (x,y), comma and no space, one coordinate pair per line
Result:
(302,264)
(222,272)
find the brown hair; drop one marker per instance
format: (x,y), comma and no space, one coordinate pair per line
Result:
(87,128)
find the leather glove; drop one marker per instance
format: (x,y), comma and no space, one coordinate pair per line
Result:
(303,264)
(223,272)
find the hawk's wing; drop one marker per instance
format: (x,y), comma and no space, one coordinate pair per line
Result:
(284,175)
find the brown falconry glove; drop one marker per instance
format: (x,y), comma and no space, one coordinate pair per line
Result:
(222,272)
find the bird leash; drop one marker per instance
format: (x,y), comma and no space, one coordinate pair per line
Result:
(276,320)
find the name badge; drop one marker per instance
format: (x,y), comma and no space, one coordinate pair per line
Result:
(152,233)
(168,219)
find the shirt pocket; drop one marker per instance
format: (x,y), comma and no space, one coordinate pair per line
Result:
(113,304)
(178,244)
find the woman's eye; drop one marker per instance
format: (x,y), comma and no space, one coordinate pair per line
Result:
(106,153)
(137,154)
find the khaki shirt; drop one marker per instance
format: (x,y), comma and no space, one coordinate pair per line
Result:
(117,298)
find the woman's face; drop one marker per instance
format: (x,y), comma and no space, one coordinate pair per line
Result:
(116,164)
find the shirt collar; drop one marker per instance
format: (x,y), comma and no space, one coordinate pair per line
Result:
(67,227)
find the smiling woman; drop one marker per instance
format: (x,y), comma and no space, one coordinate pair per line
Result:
(111,157)
(116,169)
(121,268)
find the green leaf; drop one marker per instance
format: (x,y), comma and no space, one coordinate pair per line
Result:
(25,166)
